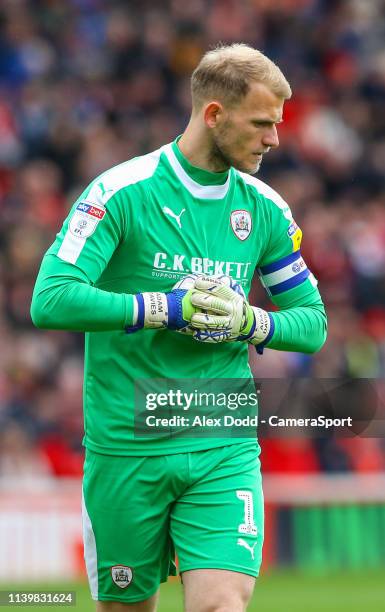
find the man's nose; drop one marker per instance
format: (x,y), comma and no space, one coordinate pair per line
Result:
(270,137)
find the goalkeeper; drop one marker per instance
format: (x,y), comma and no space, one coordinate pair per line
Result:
(190,208)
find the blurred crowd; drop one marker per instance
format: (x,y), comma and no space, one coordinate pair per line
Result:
(86,84)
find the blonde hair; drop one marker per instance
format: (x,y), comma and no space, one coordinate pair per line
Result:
(225,73)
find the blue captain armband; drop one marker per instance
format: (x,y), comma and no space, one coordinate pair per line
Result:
(284,274)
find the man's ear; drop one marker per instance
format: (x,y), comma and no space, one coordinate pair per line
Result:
(212,113)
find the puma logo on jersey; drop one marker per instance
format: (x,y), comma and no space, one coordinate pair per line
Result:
(103,190)
(242,542)
(170,213)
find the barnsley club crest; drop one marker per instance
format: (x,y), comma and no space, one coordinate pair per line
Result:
(241,223)
(121,575)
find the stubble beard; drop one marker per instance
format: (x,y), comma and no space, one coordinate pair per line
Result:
(220,159)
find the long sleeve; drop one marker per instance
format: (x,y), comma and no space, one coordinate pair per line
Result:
(64,298)
(300,323)
(302,329)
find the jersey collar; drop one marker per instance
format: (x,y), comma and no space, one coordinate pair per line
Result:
(200,183)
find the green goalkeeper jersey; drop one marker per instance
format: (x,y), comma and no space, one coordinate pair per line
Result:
(141,226)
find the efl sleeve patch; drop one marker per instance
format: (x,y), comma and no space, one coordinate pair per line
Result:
(82,225)
(284,274)
(85,219)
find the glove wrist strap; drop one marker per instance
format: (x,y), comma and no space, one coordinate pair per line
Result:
(155,309)
(262,326)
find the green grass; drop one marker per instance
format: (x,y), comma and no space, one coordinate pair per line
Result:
(283,591)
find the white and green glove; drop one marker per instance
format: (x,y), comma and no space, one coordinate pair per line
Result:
(210,308)
(222,313)
(170,310)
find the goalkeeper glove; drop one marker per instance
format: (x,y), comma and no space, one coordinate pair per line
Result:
(215,327)
(235,319)
(155,310)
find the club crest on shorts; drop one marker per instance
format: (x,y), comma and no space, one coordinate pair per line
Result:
(241,223)
(121,575)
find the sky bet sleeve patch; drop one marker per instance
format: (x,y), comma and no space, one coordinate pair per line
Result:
(85,219)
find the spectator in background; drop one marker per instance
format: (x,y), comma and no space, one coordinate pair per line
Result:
(21,464)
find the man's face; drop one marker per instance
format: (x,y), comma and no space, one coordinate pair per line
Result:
(245,132)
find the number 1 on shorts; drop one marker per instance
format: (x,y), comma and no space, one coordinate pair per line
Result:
(248,526)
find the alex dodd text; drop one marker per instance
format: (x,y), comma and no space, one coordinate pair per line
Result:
(227,420)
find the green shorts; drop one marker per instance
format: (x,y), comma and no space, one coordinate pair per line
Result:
(206,506)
